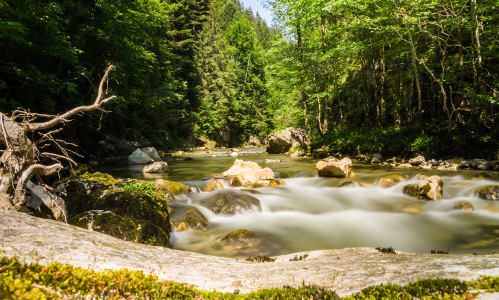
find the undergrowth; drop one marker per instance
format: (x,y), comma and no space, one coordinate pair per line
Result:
(56,281)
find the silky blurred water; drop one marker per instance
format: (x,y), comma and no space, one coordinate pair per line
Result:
(312,213)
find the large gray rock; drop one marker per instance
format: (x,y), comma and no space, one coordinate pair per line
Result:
(142,156)
(138,157)
(32,239)
(152,153)
(390,180)
(282,141)
(341,169)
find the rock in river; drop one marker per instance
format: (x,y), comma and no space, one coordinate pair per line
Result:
(250,174)
(489,192)
(341,169)
(230,202)
(156,167)
(430,189)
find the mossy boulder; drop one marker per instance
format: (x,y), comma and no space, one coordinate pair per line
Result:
(230,202)
(430,189)
(121,227)
(390,180)
(143,216)
(488,192)
(170,187)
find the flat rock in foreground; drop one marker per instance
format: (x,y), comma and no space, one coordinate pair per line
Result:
(346,271)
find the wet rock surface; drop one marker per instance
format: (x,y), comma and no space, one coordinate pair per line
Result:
(230,202)
(33,239)
(429,189)
(489,192)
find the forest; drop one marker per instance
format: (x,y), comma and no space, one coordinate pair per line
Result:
(388,76)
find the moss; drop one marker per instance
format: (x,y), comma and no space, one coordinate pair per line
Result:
(260,259)
(170,187)
(55,281)
(103,178)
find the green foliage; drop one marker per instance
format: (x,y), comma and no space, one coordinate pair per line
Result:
(146,188)
(298,258)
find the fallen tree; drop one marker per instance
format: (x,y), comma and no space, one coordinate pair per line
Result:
(24,141)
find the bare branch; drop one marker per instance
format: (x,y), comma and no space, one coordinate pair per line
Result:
(65,117)
(36,169)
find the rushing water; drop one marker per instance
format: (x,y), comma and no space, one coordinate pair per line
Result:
(311,213)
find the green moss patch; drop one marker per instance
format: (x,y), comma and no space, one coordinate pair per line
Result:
(56,281)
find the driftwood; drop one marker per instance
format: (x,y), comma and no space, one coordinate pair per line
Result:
(23,141)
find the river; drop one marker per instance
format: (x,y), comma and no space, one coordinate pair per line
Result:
(312,213)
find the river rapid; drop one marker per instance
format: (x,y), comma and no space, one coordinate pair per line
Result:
(312,213)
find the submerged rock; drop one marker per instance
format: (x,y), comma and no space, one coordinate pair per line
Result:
(341,169)
(189,218)
(488,192)
(250,174)
(464,205)
(230,202)
(238,236)
(282,141)
(430,189)
(390,180)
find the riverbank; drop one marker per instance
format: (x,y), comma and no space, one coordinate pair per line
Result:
(347,270)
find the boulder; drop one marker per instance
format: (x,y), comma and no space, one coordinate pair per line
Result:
(488,192)
(390,180)
(250,174)
(341,169)
(376,158)
(282,141)
(138,157)
(189,218)
(172,188)
(156,167)
(464,205)
(137,215)
(230,202)
(430,189)
(152,153)
(416,161)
